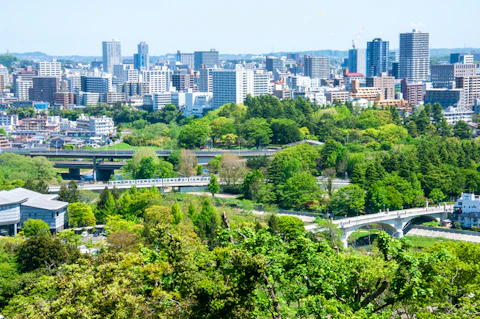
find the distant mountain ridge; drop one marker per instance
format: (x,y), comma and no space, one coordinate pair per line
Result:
(40,56)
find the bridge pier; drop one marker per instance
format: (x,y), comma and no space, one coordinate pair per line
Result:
(74,173)
(398,234)
(103,174)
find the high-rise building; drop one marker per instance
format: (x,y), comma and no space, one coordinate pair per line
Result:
(53,68)
(316,67)
(232,85)
(261,83)
(74,83)
(182,81)
(44,88)
(159,80)
(207,58)
(273,64)
(471,88)
(2,83)
(96,83)
(443,75)
(64,98)
(4,72)
(186,59)
(141,60)
(357,61)
(414,93)
(385,83)
(112,55)
(377,57)
(446,97)
(205,80)
(414,62)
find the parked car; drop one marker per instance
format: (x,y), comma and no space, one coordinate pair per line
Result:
(85,234)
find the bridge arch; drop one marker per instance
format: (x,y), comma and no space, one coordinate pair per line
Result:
(389,227)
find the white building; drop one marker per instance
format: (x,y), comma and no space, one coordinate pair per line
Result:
(159,80)
(261,83)
(197,102)
(455,114)
(232,86)
(53,68)
(8,119)
(100,125)
(74,83)
(22,88)
(4,73)
(467,210)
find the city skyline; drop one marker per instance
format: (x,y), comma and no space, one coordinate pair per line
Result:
(209,24)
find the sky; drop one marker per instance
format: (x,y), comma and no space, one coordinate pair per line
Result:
(248,26)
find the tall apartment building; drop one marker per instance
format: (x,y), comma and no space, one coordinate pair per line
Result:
(273,64)
(414,62)
(316,67)
(377,57)
(182,81)
(186,59)
(4,72)
(385,83)
(159,80)
(64,98)
(205,80)
(261,83)
(74,83)
(471,88)
(135,88)
(22,82)
(443,75)
(357,61)
(207,58)
(141,60)
(232,85)
(53,68)
(2,83)
(100,125)
(112,55)
(413,93)
(96,83)
(44,88)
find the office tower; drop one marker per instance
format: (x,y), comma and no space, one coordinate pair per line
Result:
(2,83)
(141,60)
(471,88)
(53,68)
(159,80)
(135,88)
(273,64)
(205,80)
(446,97)
(294,56)
(385,83)
(461,58)
(186,59)
(74,83)
(112,55)
(377,57)
(207,58)
(96,83)
(414,56)
(316,67)
(44,88)
(357,61)
(413,93)
(395,70)
(232,85)
(443,75)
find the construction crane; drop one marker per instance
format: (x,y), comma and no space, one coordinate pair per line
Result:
(354,42)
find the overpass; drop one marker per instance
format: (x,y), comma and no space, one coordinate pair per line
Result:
(103,171)
(393,221)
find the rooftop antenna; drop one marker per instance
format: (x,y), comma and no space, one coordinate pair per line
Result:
(354,42)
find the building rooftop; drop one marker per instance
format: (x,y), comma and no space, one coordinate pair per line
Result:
(31,199)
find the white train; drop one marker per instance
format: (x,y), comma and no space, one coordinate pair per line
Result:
(161,181)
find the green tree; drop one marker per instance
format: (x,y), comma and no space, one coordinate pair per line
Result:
(436,195)
(177,213)
(257,132)
(290,227)
(462,130)
(69,193)
(348,201)
(105,206)
(80,214)
(34,227)
(252,184)
(300,191)
(214,185)
(146,169)
(44,252)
